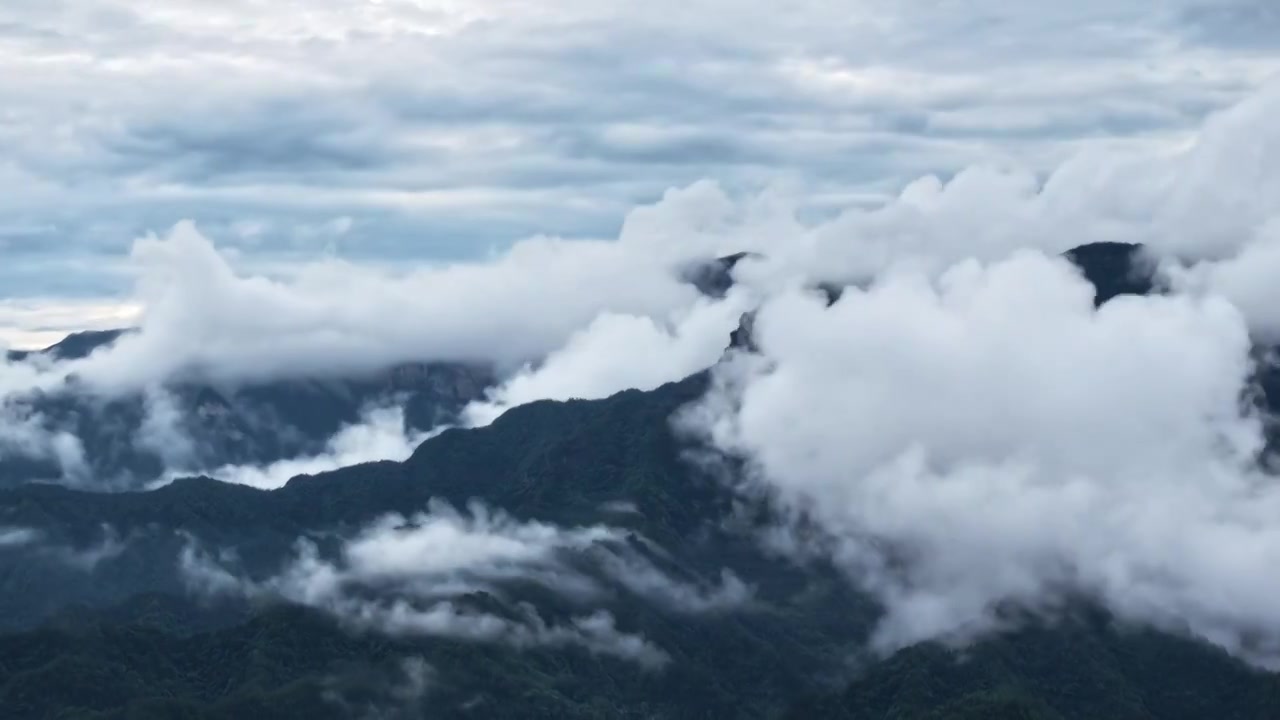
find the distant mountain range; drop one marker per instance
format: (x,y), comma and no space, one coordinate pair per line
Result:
(255,423)
(75,346)
(103,620)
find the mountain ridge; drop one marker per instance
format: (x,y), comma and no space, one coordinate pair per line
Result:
(124,636)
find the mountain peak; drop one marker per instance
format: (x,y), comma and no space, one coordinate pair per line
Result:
(75,346)
(1115,269)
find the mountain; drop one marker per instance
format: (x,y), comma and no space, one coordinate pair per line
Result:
(714,278)
(101,619)
(130,440)
(1080,669)
(555,462)
(1115,269)
(288,662)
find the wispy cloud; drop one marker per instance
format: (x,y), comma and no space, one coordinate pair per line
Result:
(78,556)
(423,575)
(397,692)
(380,435)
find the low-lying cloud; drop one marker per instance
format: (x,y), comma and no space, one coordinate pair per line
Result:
(421,575)
(620,352)
(17,536)
(380,435)
(85,558)
(397,692)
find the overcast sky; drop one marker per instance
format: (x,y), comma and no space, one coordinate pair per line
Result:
(395,130)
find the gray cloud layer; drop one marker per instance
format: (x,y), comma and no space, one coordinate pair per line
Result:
(411,129)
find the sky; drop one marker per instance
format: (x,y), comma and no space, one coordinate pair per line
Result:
(405,132)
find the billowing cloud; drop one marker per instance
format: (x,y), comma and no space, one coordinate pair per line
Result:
(381,435)
(1243,278)
(203,318)
(420,576)
(984,440)
(618,352)
(1207,199)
